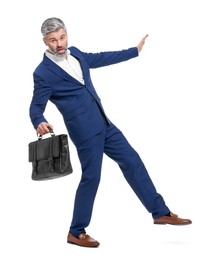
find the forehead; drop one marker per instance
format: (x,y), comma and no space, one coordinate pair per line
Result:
(56,34)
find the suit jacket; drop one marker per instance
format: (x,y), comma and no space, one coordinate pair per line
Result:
(79,104)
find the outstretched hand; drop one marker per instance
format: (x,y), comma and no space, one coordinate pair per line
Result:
(142,42)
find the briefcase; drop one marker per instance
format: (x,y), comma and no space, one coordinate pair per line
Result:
(50,157)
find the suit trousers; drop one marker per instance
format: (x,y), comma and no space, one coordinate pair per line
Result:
(113,143)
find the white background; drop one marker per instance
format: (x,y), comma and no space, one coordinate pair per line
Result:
(163,101)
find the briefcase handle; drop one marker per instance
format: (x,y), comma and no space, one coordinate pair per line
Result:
(50,131)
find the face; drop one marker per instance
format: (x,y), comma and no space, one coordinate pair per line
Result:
(57,42)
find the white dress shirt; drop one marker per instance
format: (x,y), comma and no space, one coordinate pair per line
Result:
(70,64)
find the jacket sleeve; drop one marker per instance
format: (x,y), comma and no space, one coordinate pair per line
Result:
(96,60)
(41,95)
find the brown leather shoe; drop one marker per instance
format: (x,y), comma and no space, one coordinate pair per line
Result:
(172,220)
(82,240)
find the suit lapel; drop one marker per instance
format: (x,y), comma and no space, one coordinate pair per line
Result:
(58,70)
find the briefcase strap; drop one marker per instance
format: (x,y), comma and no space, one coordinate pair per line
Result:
(64,154)
(50,159)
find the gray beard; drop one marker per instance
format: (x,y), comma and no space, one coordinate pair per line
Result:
(60,56)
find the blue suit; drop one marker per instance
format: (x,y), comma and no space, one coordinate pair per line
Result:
(91,131)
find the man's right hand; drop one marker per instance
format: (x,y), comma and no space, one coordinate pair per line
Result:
(43,128)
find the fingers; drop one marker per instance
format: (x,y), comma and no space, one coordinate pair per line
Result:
(144,38)
(142,42)
(43,128)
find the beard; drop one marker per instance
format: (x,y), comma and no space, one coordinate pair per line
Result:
(57,54)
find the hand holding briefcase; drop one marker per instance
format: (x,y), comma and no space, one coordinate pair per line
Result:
(50,157)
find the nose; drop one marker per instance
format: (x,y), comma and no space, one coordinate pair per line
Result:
(59,43)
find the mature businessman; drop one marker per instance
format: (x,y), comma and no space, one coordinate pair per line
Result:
(63,77)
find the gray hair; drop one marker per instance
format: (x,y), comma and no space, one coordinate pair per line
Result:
(52,24)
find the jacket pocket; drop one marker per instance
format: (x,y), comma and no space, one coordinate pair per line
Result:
(70,115)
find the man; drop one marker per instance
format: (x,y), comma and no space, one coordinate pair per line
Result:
(63,77)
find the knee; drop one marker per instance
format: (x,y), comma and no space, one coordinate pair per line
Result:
(91,179)
(131,162)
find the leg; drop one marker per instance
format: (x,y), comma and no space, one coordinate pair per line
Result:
(118,149)
(90,154)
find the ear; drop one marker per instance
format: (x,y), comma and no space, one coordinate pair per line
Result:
(45,41)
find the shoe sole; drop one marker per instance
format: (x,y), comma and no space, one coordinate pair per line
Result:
(72,243)
(164,223)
